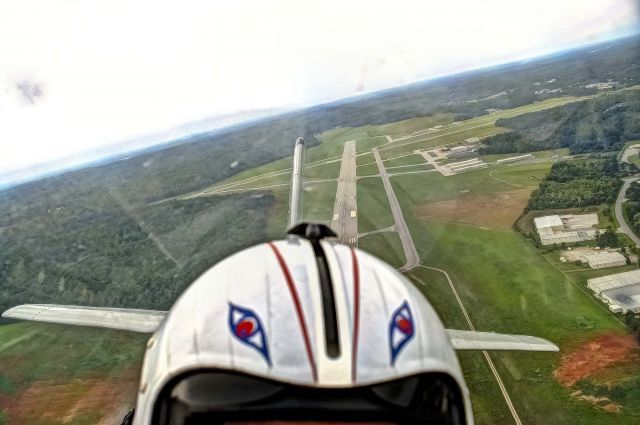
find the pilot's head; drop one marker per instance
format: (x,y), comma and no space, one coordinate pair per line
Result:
(301,330)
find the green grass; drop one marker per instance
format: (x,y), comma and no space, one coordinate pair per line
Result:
(507,286)
(410,125)
(410,169)
(374,212)
(58,354)
(323,171)
(64,352)
(634,159)
(364,159)
(436,187)
(370,143)
(404,160)
(522,175)
(367,170)
(385,245)
(318,201)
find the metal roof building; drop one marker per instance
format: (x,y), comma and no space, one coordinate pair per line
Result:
(614,281)
(620,291)
(625,299)
(554,229)
(548,221)
(605,259)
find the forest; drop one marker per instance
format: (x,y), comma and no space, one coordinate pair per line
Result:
(632,206)
(600,124)
(579,183)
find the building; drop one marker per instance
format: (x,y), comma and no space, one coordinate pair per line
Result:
(515,158)
(620,291)
(464,166)
(604,259)
(457,149)
(614,281)
(569,228)
(462,151)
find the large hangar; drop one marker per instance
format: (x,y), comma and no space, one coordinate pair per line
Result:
(568,228)
(621,291)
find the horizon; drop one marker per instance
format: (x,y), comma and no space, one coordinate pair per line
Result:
(124,149)
(77,77)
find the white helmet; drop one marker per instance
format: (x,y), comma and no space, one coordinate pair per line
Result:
(301,329)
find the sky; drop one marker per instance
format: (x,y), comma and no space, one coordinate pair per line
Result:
(76,76)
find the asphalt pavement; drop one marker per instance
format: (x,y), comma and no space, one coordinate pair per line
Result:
(345,209)
(410,252)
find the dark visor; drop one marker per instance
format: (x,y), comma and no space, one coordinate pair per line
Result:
(212,397)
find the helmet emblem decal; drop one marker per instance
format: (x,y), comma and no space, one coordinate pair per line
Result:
(246,327)
(401,330)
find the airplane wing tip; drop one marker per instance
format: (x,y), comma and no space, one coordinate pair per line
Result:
(489,341)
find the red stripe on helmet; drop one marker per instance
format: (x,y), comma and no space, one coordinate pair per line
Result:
(296,302)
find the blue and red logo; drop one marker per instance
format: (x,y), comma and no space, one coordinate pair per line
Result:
(246,326)
(401,330)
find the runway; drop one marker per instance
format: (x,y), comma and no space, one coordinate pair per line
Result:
(345,210)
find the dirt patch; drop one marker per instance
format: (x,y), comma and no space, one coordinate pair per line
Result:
(601,402)
(63,402)
(596,356)
(494,210)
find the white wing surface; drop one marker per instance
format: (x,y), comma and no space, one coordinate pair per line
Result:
(489,341)
(102,317)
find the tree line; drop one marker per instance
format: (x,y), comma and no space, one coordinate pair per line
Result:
(575,184)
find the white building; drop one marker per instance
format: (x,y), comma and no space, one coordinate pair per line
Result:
(569,228)
(614,281)
(621,291)
(605,259)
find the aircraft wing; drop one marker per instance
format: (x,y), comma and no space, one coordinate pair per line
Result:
(102,317)
(489,341)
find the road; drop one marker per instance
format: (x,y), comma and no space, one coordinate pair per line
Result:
(503,389)
(410,252)
(345,208)
(631,150)
(624,227)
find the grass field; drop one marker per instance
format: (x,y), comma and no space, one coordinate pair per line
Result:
(367,170)
(411,125)
(374,212)
(48,372)
(404,160)
(385,245)
(409,168)
(507,286)
(522,175)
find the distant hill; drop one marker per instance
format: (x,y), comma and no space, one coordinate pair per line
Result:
(604,123)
